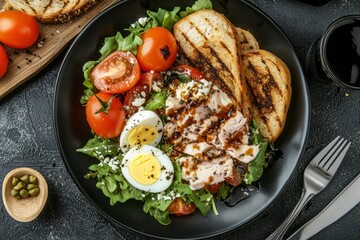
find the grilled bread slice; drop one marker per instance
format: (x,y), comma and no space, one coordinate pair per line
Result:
(247,41)
(269,83)
(210,42)
(51,11)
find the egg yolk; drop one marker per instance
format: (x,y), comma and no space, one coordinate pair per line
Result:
(142,135)
(145,169)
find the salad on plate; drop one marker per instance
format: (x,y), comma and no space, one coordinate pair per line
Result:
(168,128)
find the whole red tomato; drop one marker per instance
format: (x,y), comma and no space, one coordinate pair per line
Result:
(158,50)
(17,29)
(105,115)
(4,61)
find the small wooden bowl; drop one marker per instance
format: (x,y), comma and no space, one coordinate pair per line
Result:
(24,210)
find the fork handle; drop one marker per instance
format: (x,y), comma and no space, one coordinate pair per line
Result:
(278,234)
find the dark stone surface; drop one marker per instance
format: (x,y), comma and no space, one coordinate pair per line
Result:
(27,139)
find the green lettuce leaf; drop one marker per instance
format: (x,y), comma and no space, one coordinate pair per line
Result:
(198,5)
(165,18)
(202,200)
(157,101)
(256,167)
(100,147)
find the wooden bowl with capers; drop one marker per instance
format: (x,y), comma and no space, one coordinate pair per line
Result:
(24,193)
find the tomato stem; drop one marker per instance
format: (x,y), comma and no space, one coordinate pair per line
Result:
(105,106)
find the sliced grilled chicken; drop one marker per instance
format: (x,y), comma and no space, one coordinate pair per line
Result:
(202,174)
(269,83)
(210,130)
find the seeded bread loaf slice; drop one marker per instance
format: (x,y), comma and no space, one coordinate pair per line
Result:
(269,83)
(51,11)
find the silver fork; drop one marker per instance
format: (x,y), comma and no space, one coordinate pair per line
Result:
(317,175)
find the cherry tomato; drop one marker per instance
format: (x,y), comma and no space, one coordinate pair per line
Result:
(180,208)
(17,29)
(158,50)
(214,188)
(117,73)
(148,78)
(105,115)
(192,72)
(235,180)
(4,61)
(137,92)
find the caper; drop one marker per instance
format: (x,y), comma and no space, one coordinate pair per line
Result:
(15,181)
(25,178)
(34,192)
(31,186)
(24,193)
(32,179)
(14,193)
(19,186)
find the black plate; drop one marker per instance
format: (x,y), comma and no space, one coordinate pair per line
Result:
(73,132)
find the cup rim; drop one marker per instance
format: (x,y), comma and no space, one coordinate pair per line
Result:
(323,42)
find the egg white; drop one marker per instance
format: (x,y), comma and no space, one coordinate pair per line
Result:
(141,118)
(167,168)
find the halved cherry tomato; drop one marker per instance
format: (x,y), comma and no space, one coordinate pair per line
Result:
(17,29)
(137,92)
(180,208)
(214,188)
(158,50)
(148,78)
(192,72)
(4,61)
(117,73)
(141,90)
(105,115)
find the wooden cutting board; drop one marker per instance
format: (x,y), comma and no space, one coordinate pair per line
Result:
(23,64)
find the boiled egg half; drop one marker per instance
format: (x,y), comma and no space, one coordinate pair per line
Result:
(147,168)
(144,127)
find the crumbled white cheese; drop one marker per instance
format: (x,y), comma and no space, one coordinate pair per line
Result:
(170,196)
(142,21)
(193,90)
(111,162)
(138,102)
(156,86)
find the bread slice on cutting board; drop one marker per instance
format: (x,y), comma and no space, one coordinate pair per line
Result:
(51,11)
(210,42)
(269,83)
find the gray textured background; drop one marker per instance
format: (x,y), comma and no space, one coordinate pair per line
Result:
(27,139)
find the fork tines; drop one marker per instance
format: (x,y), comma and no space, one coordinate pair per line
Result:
(336,150)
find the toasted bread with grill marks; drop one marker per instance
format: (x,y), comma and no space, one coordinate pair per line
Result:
(247,41)
(269,83)
(51,11)
(210,42)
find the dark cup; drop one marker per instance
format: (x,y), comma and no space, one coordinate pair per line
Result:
(339,51)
